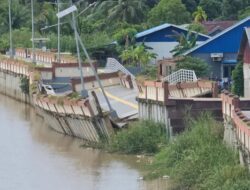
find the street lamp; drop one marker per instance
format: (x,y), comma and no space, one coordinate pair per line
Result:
(61,14)
(33,43)
(72,9)
(10,28)
(58,34)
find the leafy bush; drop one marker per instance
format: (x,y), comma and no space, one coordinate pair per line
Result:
(149,72)
(200,67)
(137,55)
(198,159)
(238,81)
(24,85)
(140,137)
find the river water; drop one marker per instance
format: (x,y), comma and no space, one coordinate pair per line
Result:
(33,157)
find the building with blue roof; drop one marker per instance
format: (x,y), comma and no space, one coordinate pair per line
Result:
(162,39)
(221,50)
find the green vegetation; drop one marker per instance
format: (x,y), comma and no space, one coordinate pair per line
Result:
(237,76)
(200,67)
(244,13)
(140,137)
(148,73)
(198,159)
(186,42)
(137,55)
(110,21)
(24,85)
(170,11)
(199,15)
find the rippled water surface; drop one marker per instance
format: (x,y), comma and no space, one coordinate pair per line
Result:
(33,157)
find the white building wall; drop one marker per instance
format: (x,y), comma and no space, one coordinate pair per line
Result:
(162,49)
(246,70)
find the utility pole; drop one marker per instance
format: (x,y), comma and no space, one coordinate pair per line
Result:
(84,92)
(112,111)
(58,34)
(33,43)
(10,28)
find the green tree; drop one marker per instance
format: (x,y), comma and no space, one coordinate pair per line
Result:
(244,13)
(185,42)
(200,67)
(238,80)
(137,55)
(199,15)
(20,15)
(46,16)
(131,11)
(171,11)
(212,8)
(230,8)
(125,36)
(190,5)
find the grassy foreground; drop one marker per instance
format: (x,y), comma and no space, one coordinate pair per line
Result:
(142,137)
(198,159)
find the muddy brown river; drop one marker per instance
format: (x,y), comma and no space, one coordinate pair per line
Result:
(33,157)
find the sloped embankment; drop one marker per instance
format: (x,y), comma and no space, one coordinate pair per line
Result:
(198,159)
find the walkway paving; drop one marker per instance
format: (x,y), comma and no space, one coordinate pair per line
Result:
(121,99)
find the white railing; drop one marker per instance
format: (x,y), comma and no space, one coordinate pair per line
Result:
(113,65)
(181,75)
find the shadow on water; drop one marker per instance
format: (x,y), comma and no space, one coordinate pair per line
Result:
(39,158)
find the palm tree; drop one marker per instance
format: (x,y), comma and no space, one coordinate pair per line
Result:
(137,55)
(130,11)
(186,42)
(199,15)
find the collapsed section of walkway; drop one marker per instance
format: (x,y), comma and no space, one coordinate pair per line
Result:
(54,91)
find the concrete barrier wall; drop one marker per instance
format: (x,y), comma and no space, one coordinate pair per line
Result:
(14,66)
(11,72)
(126,80)
(153,90)
(237,126)
(77,118)
(93,129)
(155,112)
(193,89)
(46,57)
(162,91)
(10,86)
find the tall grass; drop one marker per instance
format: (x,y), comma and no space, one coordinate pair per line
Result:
(198,159)
(140,137)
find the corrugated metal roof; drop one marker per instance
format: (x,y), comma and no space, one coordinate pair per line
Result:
(217,36)
(161,27)
(214,25)
(152,30)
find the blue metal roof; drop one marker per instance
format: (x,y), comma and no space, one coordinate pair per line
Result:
(228,41)
(164,33)
(152,30)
